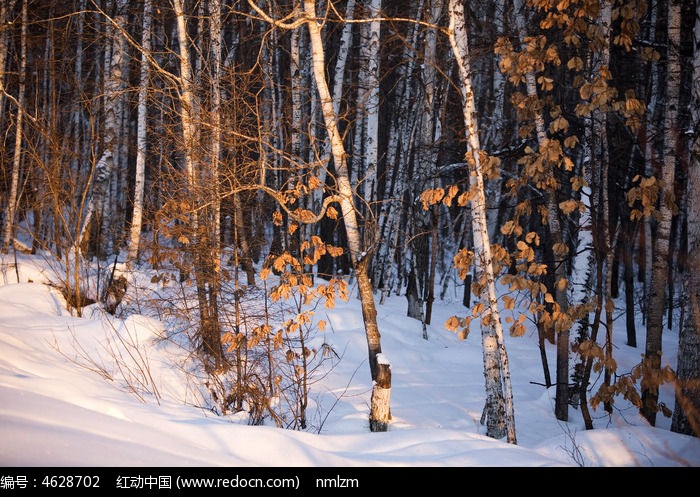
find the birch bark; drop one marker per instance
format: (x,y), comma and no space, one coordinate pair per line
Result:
(659,271)
(500,416)
(11,207)
(379,365)
(142,137)
(686,413)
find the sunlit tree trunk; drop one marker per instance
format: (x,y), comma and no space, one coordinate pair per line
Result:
(142,138)
(205,268)
(659,271)
(103,172)
(344,46)
(11,207)
(5,11)
(215,56)
(379,366)
(371,134)
(500,416)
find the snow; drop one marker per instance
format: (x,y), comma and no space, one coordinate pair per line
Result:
(383,360)
(107,391)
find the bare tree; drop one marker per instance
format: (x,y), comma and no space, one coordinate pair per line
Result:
(659,278)
(103,172)
(11,207)
(142,138)
(500,415)
(380,367)
(686,414)
(5,11)
(202,246)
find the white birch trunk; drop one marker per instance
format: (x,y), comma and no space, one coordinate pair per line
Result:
(401,134)
(104,169)
(500,414)
(650,158)
(296,77)
(379,366)
(11,207)
(371,154)
(338,86)
(112,207)
(142,138)
(5,11)
(497,132)
(686,413)
(601,153)
(427,151)
(201,247)
(659,272)
(215,30)
(76,117)
(186,94)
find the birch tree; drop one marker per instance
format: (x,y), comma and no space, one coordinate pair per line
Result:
(380,367)
(499,411)
(401,136)
(5,11)
(686,413)
(103,170)
(142,138)
(11,207)
(666,209)
(202,247)
(547,149)
(427,151)
(369,109)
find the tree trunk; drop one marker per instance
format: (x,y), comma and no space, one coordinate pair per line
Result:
(379,415)
(142,138)
(628,276)
(500,415)
(686,413)
(659,271)
(429,136)
(402,132)
(370,49)
(201,247)
(113,84)
(5,12)
(598,143)
(344,46)
(12,201)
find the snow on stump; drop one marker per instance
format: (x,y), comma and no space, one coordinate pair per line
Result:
(380,413)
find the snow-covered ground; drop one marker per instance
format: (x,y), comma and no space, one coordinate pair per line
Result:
(70,397)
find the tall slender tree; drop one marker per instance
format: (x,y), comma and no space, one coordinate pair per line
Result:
(141,133)
(667,207)
(500,413)
(554,227)
(201,245)
(5,12)
(380,367)
(102,176)
(12,200)
(686,413)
